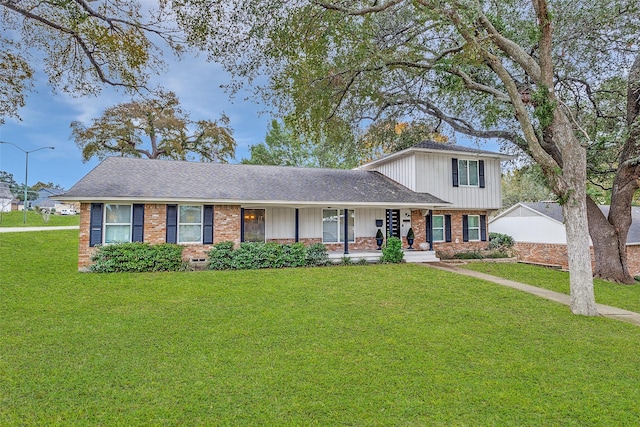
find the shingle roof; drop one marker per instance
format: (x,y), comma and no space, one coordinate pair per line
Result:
(118,177)
(554,210)
(432,145)
(5,193)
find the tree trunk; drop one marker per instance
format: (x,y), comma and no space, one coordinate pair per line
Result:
(571,185)
(609,238)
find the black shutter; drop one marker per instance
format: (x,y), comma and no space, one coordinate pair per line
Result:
(429,228)
(483,228)
(454,171)
(241,225)
(137,234)
(172,223)
(465,228)
(95,224)
(207,226)
(481,172)
(447,228)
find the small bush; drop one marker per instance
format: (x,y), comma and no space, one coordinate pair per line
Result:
(221,256)
(392,253)
(468,255)
(345,260)
(294,255)
(137,257)
(500,242)
(317,255)
(362,261)
(497,254)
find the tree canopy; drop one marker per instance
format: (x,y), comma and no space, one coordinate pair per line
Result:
(155,128)
(81,45)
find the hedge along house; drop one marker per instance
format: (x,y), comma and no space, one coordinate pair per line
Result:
(199,204)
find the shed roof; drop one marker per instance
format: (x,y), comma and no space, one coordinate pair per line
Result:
(143,179)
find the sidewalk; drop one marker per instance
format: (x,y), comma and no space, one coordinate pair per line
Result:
(22,229)
(604,310)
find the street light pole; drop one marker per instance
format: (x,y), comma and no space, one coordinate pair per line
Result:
(26,173)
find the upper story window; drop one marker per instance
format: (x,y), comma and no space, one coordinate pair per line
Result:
(333,225)
(189,224)
(468,173)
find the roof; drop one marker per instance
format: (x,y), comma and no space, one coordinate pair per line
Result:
(167,180)
(432,146)
(553,210)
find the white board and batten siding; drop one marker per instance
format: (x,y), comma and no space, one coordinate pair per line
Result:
(431,173)
(527,226)
(281,222)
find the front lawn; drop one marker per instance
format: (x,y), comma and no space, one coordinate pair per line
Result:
(34,219)
(613,294)
(362,345)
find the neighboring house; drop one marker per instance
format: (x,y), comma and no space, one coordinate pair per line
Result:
(6,197)
(48,199)
(444,192)
(541,238)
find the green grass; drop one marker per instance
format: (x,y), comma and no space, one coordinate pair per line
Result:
(613,294)
(34,219)
(359,345)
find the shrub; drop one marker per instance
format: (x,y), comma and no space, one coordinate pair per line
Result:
(345,260)
(221,256)
(317,255)
(137,257)
(501,242)
(294,255)
(468,255)
(411,234)
(392,253)
(379,234)
(362,261)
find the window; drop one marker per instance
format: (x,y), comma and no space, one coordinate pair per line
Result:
(253,227)
(473,227)
(438,228)
(117,224)
(189,224)
(333,225)
(468,172)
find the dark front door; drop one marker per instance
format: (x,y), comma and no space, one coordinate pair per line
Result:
(393,222)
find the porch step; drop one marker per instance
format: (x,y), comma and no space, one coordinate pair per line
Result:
(374,256)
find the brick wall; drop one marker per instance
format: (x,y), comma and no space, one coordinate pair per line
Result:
(226,223)
(419,225)
(633,259)
(84,251)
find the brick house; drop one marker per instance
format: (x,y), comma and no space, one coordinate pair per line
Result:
(444,192)
(539,232)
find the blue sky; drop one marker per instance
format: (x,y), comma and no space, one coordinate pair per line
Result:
(47,116)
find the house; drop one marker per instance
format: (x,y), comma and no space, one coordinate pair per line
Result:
(539,232)
(444,192)
(6,197)
(48,199)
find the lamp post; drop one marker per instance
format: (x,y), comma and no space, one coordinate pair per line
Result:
(26,173)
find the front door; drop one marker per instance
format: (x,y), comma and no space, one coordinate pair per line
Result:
(393,222)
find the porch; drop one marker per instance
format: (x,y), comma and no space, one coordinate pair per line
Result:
(414,256)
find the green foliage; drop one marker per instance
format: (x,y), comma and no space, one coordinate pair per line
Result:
(379,234)
(257,255)
(221,256)
(500,241)
(317,255)
(392,253)
(346,260)
(525,184)
(544,108)
(137,257)
(468,255)
(411,234)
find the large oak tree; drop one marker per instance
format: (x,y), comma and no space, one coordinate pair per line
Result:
(155,128)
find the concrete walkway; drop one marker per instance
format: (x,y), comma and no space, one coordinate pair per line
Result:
(22,229)
(604,310)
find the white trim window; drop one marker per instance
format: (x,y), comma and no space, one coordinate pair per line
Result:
(468,173)
(437,228)
(473,228)
(117,224)
(189,224)
(333,225)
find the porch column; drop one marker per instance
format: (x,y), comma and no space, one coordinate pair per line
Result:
(346,231)
(297,225)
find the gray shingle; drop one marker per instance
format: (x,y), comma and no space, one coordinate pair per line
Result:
(120,177)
